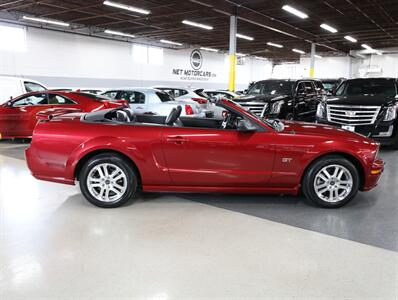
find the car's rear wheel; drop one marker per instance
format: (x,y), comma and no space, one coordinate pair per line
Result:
(331,181)
(108,180)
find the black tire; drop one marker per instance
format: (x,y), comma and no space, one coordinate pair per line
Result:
(129,181)
(308,182)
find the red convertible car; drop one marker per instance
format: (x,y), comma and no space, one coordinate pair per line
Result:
(18,116)
(112,153)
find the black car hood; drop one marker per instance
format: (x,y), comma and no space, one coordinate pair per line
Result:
(260,98)
(366,100)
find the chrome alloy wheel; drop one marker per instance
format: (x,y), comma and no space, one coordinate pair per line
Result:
(333,183)
(107,182)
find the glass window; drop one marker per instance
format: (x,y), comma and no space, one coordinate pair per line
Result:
(37,99)
(155,56)
(110,94)
(301,88)
(271,88)
(15,37)
(58,99)
(33,87)
(383,87)
(140,54)
(132,97)
(309,87)
(164,97)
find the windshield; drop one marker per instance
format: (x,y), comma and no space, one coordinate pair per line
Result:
(96,97)
(329,85)
(382,87)
(271,88)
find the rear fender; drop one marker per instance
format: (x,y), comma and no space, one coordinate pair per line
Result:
(102,143)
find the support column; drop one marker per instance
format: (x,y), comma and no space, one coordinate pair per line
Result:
(232,53)
(312,65)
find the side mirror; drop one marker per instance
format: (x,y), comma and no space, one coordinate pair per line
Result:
(9,104)
(246,126)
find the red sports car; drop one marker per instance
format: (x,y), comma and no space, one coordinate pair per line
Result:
(112,153)
(18,116)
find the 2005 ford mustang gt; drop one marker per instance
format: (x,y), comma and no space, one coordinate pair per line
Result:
(112,153)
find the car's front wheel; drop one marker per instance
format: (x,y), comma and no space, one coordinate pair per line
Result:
(108,180)
(331,181)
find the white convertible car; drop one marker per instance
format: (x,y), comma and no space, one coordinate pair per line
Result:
(155,102)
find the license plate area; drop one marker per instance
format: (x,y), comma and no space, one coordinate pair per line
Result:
(349,128)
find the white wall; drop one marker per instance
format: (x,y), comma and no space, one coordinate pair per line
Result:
(385,65)
(68,60)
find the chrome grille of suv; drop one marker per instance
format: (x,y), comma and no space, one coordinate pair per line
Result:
(258,108)
(352,115)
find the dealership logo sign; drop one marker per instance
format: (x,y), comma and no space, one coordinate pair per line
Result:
(194,73)
(196,59)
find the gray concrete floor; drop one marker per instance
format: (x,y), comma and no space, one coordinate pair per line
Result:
(54,245)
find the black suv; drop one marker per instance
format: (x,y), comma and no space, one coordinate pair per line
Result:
(367,106)
(283,99)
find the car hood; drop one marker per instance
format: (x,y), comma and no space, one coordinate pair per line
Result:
(260,98)
(302,128)
(366,100)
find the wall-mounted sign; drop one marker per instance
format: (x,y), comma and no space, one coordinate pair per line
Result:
(195,73)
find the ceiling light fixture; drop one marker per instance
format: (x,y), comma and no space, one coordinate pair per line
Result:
(245,37)
(119,33)
(329,28)
(191,23)
(298,51)
(47,21)
(318,56)
(274,45)
(209,49)
(240,54)
(127,7)
(295,11)
(367,47)
(350,38)
(170,42)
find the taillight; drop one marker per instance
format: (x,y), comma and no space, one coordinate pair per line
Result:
(188,110)
(200,100)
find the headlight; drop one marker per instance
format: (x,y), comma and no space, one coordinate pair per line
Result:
(276,107)
(391,113)
(320,111)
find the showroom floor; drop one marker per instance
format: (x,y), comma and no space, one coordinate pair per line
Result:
(54,245)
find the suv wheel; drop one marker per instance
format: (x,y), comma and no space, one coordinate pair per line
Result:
(108,181)
(331,182)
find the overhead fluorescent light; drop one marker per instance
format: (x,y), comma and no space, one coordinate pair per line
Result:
(367,47)
(119,33)
(127,7)
(295,11)
(350,38)
(329,28)
(274,45)
(240,54)
(209,49)
(208,27)
(170,42)
(245,37)
(298,51)
(379,52)
(318,56)
(47,21)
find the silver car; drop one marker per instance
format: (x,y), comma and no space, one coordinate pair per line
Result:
(153,101)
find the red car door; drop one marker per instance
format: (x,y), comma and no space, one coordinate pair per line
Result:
(216,157)
(21,115)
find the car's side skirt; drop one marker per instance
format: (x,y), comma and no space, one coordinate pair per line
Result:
(218,189)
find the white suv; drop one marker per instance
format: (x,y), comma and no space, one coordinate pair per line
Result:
(154,102)
(11,87)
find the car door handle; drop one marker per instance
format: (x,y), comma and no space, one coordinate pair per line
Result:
(176,139)
(139,107)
